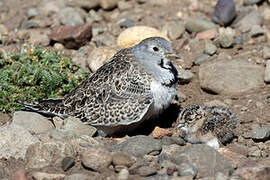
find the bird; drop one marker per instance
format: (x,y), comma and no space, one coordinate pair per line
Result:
(212,125)
(136,84)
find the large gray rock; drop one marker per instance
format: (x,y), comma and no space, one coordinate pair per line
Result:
(199,25)
(31,121)
(258,132)
(205,159)
(138,145)
(50,153)
(230,77)
(249,20)
(14,141)
(70,17)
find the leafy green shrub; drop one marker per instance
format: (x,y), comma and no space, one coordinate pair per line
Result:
(36,74)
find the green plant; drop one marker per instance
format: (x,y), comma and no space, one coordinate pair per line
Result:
(36,74)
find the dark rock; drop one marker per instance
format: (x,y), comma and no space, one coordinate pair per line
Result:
(251,2)
(67,163)
(138,145)
(72,36)
(224,12)
(207,160)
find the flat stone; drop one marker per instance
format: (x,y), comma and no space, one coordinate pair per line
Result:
(70,17)
(230,76)
(147,171)
(208,34)
(199,25)
(267,72)
(186,169)
(174,29)
(46,176)
(85,4)
(138,145)
(123,159)
(258,132)
(78,176)
(200,59)
(76,125)
(185,76)
(205,159)
(72,37)
(14,141)
(249,20)
(33,122)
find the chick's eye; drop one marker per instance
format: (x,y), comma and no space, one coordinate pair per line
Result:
(155,49)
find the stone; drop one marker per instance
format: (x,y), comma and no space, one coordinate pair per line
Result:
(174,29)
(14,141)
(123,174)
(224,12)
(47,176)
(20,174)
(186,169)
(138,145)
(256,31)
(57,134)
(147,171)
(104,39)
(122,159)
(199,25)
(226,38)
(258,132)
(167,140)
(266,52)
(126,23)
(72,37)
(133,35)
(235,158)
(33,122)
(185,76)
(205,159)
(70,17)
(49,153)
(32,12)
(159,133)
(200,59)
(79,129)
(39,37)
(267,72)
(93,16)
(67,163)
(85,4)
(51,7)
(209,48)
(99,56)
(208,34)
(249,20)
(108,4)
(253,172)
(254,151)
(96,158)
(230,76)
(30,25)
(124,5)
(78,176)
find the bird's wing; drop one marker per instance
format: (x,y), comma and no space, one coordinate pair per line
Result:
(117,94)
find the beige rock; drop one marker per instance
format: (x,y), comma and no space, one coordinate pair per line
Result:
(108,4)
(99,56)
(136,34)
(44,176)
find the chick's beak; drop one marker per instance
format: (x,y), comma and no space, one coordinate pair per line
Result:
(172,56)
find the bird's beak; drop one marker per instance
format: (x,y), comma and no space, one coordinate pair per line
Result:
(172,56)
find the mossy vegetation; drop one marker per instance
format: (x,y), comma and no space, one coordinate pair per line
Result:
(36,74)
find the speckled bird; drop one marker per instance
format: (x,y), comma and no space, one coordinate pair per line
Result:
(213,125)
(136,84)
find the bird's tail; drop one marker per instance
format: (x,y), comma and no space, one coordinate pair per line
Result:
(49,107)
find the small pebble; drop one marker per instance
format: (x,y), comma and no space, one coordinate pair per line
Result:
(201,59)
(67,163)
(210,48)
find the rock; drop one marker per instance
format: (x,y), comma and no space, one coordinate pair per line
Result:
(122,159)
(202,58)
(67,163)
(104,39)
(138,146)
(32,12)
(230,76)
(99,56)
(96,158)
(224,12)
(46,176)
(30,25)
(185,169)
(267,72)
(123,174)
(235,159)
(266,52)
(256,31)
(199,25)
(257,172)
(173,140)
(258,132)
(78,176)
(185,76)
(147,171)
(125,23)
(14,141)
(123,5)
(254,151)
(50,7)
(208,34)
(209,48)
(84,4)
(174,29)
(108,4)
(20,174)
(49,153)
(226,38)
(39,37)
(251,2)
(93,16)
(72,37)
(57,134)
(167,167)
(33,122)
(251,19)
(76,125)
(70,17)
(96,30)
(206,159)
(136,34)
(159,133)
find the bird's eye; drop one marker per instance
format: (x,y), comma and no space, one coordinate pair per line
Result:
(155,49)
